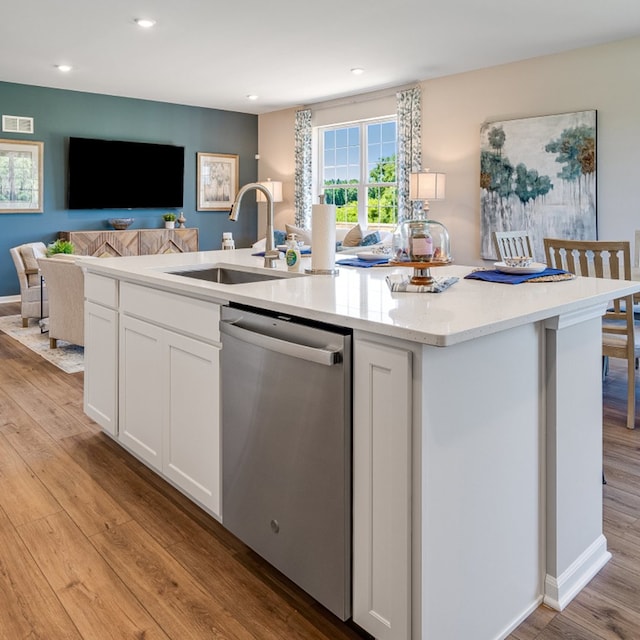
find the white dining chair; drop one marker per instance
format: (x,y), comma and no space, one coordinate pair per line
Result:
(510,244)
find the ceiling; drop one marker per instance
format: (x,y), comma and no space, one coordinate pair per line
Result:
(288,53)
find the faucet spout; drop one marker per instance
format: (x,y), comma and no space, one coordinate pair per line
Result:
(270,254)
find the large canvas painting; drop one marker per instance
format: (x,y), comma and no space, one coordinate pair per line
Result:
(539,175)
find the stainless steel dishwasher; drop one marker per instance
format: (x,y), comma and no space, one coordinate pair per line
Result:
(286,442)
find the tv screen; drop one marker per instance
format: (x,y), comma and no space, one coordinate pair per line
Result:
(115,174)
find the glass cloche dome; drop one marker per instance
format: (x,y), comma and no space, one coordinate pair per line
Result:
(421,240)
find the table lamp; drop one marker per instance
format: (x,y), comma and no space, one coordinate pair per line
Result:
(274,186)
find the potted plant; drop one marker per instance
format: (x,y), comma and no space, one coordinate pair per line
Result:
(60,246)
(169,220)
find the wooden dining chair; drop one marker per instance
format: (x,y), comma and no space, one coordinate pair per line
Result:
(620,333)
(509,244)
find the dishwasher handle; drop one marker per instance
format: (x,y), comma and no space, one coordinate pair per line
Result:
(318,355)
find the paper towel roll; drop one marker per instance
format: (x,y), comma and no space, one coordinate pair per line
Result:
(323,230)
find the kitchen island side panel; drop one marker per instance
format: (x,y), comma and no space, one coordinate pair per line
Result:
(481,484)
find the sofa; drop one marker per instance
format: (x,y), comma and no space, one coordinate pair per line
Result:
(350,240)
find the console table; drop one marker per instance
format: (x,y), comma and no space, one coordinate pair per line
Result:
(134,242)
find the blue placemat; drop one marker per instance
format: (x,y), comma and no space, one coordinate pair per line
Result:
(359,262)
(493,275)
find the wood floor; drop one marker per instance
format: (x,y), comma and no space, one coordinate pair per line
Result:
(93,545)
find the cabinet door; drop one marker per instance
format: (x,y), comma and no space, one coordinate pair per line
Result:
(382,490)
(101,366)
(191,432)
(103,244)
(142,389)
(155,241)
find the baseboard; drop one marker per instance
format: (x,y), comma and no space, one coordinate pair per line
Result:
(560,591)
(520,619)
(15,298)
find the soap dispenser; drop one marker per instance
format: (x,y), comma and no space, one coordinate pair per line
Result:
(227,240)
(292,255)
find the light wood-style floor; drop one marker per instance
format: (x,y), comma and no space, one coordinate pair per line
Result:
(94,546)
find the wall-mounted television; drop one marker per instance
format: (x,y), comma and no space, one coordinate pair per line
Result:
(117,174)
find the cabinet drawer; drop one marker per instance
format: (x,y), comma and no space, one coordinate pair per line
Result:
(189,316)
(101,290)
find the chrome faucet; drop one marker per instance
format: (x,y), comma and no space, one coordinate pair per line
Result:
(271,254)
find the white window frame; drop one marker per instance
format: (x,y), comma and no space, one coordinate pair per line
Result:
(363,185)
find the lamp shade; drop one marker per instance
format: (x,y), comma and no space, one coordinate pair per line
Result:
(274,186)
(425,185)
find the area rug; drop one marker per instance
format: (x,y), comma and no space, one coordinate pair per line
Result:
(68,357)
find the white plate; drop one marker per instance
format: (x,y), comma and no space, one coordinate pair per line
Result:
(534,267)
(371,255)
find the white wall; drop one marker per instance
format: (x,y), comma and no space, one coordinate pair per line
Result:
(277,161)
(602,78)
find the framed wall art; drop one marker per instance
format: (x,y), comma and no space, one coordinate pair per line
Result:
(217,181)
(21,178)
(539,175)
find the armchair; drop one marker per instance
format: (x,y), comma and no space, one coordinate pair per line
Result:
(65,283)
(25,258)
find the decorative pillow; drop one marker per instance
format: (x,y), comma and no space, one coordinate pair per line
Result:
(353,237)
(371,238)
(301,234)
(30,257)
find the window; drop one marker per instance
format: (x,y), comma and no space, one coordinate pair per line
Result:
(357,171)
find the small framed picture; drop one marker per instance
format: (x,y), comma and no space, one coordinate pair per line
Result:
(217,181)
(21,177)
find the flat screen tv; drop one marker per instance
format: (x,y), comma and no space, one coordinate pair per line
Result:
(116,174)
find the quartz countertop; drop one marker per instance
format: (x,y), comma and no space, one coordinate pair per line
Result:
(360,298)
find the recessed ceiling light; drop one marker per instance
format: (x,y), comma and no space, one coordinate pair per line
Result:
(357,71)
(64,67)
(145,23)
(251,96)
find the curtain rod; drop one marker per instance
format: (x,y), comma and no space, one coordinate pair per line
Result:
(358,99)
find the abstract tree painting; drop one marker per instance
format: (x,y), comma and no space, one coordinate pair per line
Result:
(539,175)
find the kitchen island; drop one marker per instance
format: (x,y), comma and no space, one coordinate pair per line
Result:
(477,425)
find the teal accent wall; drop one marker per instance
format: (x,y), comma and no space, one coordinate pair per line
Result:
(59,114)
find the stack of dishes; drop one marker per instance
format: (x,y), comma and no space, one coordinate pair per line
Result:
(520,265)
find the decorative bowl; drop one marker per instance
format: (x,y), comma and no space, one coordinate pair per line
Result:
(518,261)
(120,224)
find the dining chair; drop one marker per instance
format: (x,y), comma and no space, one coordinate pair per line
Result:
(620,333)
(509,244)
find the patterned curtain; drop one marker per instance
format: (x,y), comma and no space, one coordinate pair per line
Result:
(409,149)
(303,178)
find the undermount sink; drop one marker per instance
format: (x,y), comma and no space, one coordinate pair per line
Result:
(227,274)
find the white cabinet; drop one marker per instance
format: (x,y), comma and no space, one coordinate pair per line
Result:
(169,389)
(101,352)
(141,389)
(191,409)
(152,378)
(382,489)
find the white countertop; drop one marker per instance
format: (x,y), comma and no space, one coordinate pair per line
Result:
(360,298)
